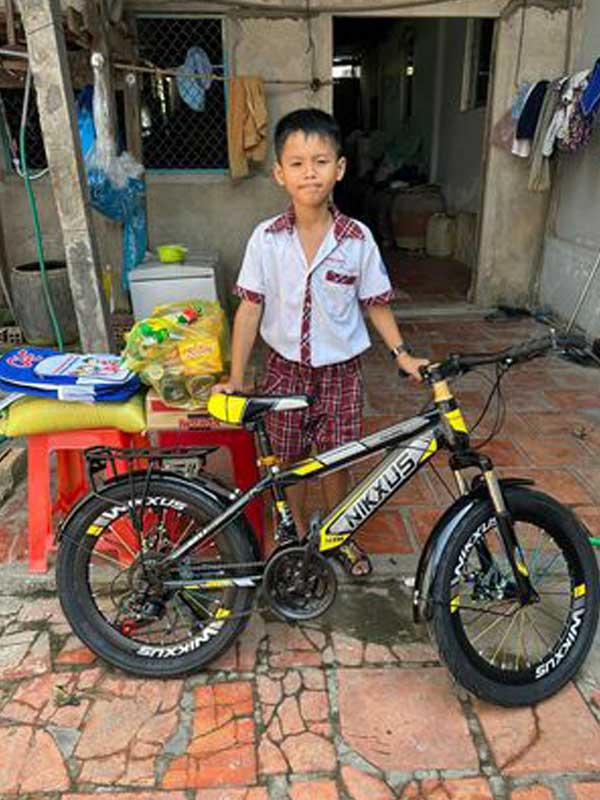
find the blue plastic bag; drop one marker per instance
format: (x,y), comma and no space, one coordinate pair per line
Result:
(113,190)
(127,205)
(85,119)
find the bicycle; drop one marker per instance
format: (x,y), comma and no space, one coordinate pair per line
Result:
(156,572)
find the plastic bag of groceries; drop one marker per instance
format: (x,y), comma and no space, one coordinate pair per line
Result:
(181,350)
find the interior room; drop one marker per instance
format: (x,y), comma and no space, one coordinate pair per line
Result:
(411,98)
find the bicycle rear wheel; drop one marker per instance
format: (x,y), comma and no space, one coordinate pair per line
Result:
(500,651)
(119,610)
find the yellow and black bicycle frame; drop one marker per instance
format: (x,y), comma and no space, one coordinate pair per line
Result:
(407,446)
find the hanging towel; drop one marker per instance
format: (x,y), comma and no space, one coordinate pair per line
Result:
(193,90)
(246,124)
(539,173)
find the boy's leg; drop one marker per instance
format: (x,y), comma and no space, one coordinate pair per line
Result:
(296,496)
(338,420)
(352,557)
(335,487)
(287,429)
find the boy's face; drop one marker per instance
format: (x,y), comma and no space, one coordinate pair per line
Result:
(309,168)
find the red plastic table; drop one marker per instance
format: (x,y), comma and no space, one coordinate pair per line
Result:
(244,459)
(72,480)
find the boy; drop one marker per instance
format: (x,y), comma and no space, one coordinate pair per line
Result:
(304,278)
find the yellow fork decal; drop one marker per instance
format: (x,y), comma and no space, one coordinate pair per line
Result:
(456,420)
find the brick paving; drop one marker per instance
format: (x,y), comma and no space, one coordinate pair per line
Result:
(353,706)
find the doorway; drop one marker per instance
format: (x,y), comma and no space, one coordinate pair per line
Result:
(411,97)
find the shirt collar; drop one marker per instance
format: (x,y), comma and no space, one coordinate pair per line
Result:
(343,227)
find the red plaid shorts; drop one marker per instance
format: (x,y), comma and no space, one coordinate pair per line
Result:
(335,415)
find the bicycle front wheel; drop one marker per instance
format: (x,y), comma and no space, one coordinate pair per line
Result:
(501,651)
(120,609)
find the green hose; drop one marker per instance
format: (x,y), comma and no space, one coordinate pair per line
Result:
(34,214)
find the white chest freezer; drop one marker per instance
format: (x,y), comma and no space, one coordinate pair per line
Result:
(154,283)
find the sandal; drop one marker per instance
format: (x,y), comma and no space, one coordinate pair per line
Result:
(354,560)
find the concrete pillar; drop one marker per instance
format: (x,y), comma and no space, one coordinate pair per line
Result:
(47,55)
(513,219)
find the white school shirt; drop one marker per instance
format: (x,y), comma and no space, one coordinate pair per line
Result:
(312,313)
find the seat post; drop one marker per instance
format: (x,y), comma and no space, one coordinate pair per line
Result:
(265,448)
(286,529)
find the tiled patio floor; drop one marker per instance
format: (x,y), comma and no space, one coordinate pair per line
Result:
(353,706)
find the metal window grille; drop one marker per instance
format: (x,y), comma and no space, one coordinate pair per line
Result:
(174,136)
(12,102)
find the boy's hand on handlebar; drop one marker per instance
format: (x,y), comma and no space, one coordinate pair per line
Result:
(411,366)
(227,387)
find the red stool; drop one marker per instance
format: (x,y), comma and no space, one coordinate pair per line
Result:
(72,480)
(244,458)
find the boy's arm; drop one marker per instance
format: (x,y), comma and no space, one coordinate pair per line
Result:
(245,328)
(385,323)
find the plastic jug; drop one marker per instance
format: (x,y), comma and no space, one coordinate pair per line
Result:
(441,236)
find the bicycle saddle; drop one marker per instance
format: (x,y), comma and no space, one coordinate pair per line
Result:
(237,409)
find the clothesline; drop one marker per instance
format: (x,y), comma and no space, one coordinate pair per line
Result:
(315,84)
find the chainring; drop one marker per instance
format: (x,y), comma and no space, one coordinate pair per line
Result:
(299,583)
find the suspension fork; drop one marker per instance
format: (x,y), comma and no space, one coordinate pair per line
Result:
(525,591)
(526,594)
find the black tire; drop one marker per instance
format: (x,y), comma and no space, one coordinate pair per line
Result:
(510,672)
(100,535)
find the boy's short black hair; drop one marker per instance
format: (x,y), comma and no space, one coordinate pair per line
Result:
(312,122)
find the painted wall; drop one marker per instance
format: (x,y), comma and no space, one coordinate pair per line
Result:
(19,239)
(573,239)
(460,132)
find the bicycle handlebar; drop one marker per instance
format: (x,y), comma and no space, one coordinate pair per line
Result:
(457,364)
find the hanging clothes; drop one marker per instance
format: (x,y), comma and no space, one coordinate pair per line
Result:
(521,97)
(246,124)
(192,90)
(558,129)
(528,119)
(539,171)
(579,131)
(503,132)
(590,99)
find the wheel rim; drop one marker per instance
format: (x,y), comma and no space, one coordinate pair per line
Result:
(118,563)
(505,641)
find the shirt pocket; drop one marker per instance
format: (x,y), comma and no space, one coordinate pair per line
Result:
(340,289)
